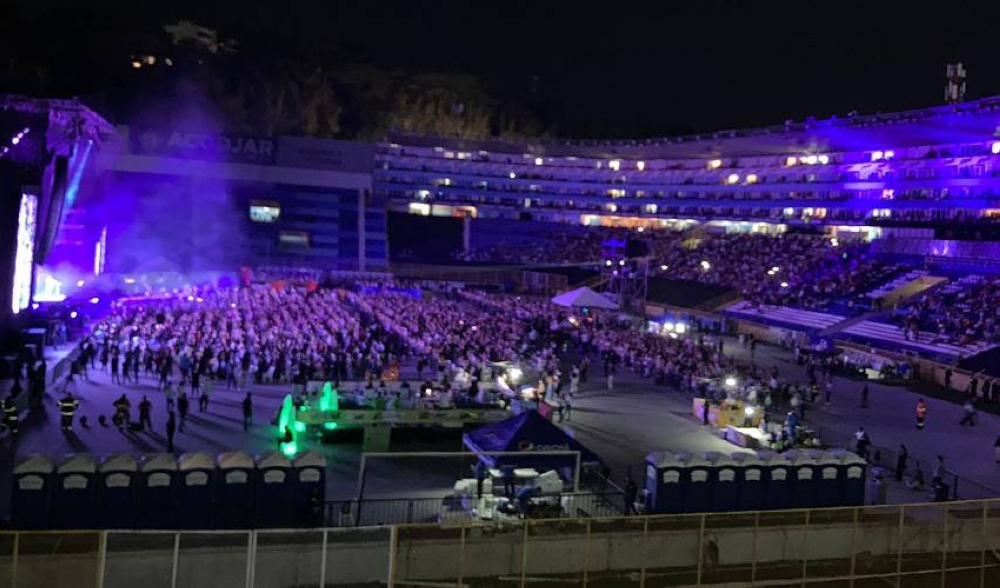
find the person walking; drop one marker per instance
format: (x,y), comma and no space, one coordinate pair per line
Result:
(182,409)
(247,412)
(901,462)
(67,409)
(145,414)
(568,402)
(969,416)
(509,487)
(122,412)
(829,390)
(481,471)
(206,395)
(996,450)
(861,442)
(939,471)
(921,414)
(115,377)
(611,381)
(631,493)
(168,390)
(864,396)
(171,429)
(10,415)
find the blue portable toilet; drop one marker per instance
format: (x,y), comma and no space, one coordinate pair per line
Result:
(159,491)
(777,480)
(235,490)
(804,482)
(829,479)
(31,494)
(663,483)
(117,495)
(196,472)
(725,482)
(750,477)
(696,484)
(274,490)
(75,494)
(309,488)
(855,470)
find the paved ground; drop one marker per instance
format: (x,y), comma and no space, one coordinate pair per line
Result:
(621,426)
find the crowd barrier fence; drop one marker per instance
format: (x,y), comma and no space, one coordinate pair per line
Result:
(936,544)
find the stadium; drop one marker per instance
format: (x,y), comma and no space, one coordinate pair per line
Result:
(758,357)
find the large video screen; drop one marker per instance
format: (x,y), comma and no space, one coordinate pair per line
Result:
(264,211)
(27,223)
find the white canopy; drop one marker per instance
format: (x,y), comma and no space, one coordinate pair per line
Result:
(582,297)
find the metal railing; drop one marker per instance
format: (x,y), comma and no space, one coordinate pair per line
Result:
(937,544)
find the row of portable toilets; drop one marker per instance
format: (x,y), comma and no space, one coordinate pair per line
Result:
(161,491)
(715,482)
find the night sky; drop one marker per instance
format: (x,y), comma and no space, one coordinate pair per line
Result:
(613,69)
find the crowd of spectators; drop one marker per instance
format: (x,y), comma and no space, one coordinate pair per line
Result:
(241,335)
(801,270)
(805,270)
(961,312)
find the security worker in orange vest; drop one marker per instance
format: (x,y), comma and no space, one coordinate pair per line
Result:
(921,413)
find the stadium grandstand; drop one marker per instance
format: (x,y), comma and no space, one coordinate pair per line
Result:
(756,357)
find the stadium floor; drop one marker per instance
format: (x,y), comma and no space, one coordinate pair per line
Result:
(621,426)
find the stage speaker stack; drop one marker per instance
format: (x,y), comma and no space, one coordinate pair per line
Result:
(53,202)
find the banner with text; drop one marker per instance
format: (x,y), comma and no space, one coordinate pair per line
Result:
(204,146)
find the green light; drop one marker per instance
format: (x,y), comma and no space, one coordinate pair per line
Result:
(328,399)
(289,449)
(329,426)
(286,414)
(300,427)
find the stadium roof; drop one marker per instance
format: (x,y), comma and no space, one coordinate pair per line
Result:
(967,122)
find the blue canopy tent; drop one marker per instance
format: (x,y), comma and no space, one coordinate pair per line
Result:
(526,434)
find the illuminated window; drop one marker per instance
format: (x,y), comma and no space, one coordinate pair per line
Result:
(264,211)
(539,161)
(419,208)
(294,240)
(614,164)
(791,160)
(824,159)
(733,178)
(751,178)
(641,165)
(715,164)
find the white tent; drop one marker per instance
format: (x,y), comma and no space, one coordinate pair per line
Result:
(584,297)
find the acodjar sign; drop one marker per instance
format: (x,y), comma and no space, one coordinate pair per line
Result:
(205,146)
